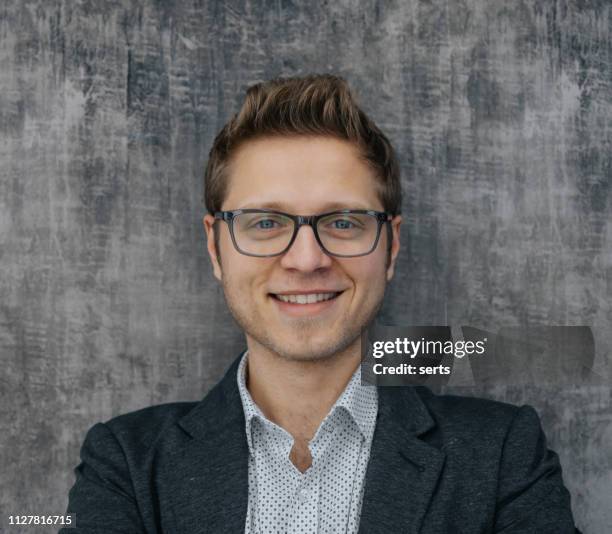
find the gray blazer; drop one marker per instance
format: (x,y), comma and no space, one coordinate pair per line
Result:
(438,464)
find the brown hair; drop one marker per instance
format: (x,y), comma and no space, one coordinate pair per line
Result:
(311,105)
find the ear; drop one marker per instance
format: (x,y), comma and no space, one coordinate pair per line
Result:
(395,245)
(209,221)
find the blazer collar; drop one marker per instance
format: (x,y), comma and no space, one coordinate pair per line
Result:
(220,410)
(211,471)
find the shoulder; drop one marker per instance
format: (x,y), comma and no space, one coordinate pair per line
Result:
(492,440)
(162,429)
(462,407)
(479,419)
(152,419)
(139,430)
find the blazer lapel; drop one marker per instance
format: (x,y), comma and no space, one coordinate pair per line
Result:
(403,470)
(209,474)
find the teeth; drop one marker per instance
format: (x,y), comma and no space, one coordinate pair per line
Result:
(306,299)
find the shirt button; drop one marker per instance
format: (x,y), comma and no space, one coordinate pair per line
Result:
(303,496)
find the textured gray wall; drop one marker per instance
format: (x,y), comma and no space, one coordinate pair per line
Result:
(501,113)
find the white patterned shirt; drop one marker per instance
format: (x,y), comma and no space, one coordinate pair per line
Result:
(327,497)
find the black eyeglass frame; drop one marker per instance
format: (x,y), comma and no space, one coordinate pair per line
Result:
(382,217)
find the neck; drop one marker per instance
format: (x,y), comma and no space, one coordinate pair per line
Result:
(297,395)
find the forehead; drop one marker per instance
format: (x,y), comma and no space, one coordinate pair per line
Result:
(301,175)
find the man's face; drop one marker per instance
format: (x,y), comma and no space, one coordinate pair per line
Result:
(305,176)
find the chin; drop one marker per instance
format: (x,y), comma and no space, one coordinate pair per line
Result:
(302,356)
(311,351)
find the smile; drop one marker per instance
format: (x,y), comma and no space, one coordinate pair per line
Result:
(309,298)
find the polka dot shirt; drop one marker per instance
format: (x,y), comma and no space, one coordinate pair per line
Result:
(327,497)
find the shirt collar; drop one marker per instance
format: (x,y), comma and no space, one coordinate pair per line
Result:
(361,403)
(248,404)
(357,400)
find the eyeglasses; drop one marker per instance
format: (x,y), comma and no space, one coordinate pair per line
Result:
(264,233)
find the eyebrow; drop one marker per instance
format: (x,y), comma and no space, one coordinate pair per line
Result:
(328,206)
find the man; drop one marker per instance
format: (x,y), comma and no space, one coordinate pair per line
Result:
(303,231)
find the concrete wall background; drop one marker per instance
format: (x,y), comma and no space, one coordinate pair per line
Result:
(500,111)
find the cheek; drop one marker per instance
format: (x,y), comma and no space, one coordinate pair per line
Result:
(245,279)
(368,276)
(236,274)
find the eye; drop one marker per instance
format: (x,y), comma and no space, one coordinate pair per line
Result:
(342,224)
(266,224)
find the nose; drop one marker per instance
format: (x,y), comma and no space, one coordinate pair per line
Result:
(305,253)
